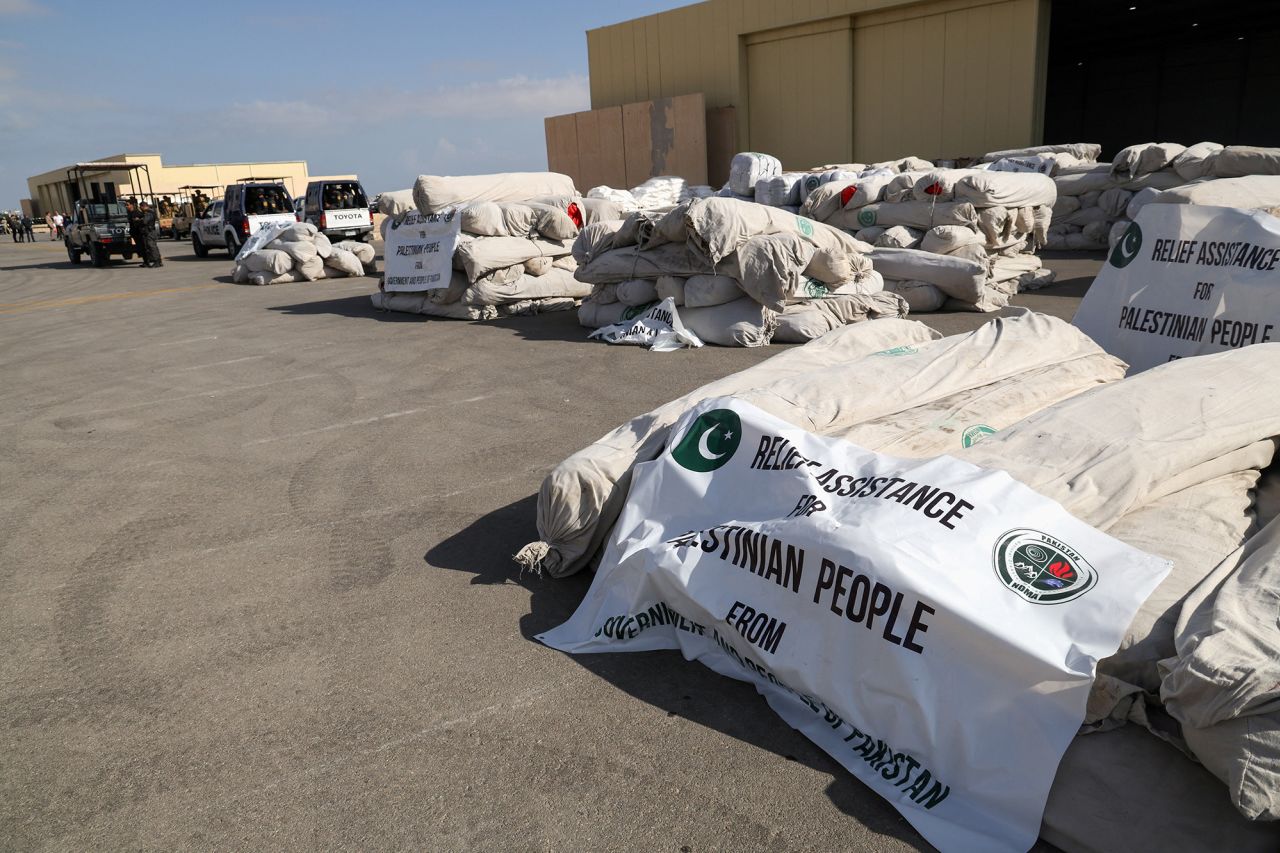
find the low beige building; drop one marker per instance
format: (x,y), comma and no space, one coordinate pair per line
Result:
(58,188)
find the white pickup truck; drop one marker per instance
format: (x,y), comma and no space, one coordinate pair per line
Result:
(245,208)
(340,209)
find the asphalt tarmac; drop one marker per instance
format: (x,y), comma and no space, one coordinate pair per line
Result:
(256,546)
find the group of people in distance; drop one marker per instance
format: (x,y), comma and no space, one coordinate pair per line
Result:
(143,228)
(20,227)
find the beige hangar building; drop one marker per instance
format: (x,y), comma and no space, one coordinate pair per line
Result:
(835,81)
(117,177)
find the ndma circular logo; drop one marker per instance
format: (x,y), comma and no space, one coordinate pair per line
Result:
(866,217)
(1127,249)
(1041,569)
(710,442)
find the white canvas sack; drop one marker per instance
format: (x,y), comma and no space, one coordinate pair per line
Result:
(659,328)
(775,611)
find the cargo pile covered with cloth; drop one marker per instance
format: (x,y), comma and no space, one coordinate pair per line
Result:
(508,237)
(657,193)
(738,273)
(761,178)
(1097,201)
(280,254)
(961,239)
(1182,720)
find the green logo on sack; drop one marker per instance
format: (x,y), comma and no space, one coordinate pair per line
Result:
(897,351)
(814,289)
(1127,249)
(710,441)
(635,311)
(805,226)
(974,434)
(1041,569)
(866,217)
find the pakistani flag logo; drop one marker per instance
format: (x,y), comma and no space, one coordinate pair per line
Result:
(1127,249)
(710,441)
(866,217)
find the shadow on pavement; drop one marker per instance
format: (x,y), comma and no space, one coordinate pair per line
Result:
(662,679)
(47,265)
(192,258)
(350,306)
(559,326)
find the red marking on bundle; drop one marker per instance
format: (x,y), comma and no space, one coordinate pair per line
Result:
(846,194)
(934,188)
(575,214)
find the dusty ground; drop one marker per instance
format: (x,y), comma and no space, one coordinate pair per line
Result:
(255,545)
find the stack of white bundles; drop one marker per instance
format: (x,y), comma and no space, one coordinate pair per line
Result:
(812,180)
(657,193)
(1045,159)
(1187,473)
(738,273)
(1252,192)
(511,257)
(435,193)
(962,239)
(280,254)
(748,169)
(841,384)
(1097,201)
(625,201)
(781,190)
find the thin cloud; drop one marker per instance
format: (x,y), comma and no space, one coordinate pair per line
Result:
(260,116)
(508,98)
(511,96)
(21,7)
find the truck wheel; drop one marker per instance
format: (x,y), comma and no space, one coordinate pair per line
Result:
(233,248)
(198,246)
(98,255)
(72,254)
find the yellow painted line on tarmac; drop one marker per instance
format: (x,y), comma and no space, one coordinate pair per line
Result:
(41,304)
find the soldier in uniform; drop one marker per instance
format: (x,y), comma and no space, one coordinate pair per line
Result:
(135,228)
(150,249)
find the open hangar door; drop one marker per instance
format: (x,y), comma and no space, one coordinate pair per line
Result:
(1121,72)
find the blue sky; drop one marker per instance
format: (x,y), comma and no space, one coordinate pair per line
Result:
(388,89)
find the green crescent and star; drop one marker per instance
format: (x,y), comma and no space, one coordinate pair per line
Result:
(710,441)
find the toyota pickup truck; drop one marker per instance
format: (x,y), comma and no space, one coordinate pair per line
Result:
(340,209)
(244,209)
(98,229)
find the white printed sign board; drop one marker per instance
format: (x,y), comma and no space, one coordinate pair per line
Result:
(1186,280)
(932,625)
(419,250)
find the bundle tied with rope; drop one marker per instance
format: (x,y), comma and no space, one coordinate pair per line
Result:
(962,239)
(514,250)
(738,273)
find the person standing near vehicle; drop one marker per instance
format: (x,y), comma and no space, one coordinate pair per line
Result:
(15,228)
(28,229)
(150,248)
(58,223)
(135,229)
